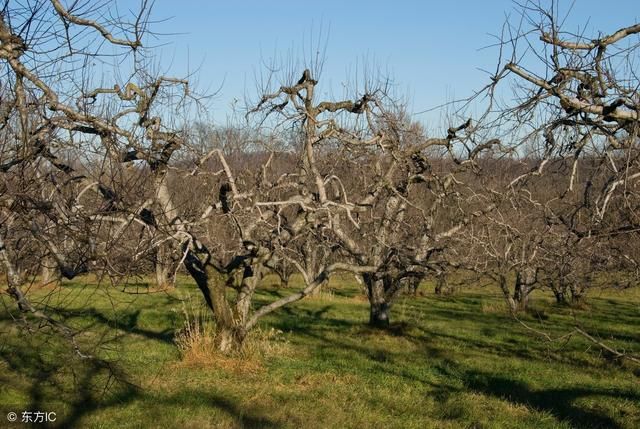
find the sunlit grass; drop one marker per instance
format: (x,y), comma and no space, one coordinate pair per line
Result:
(455,361)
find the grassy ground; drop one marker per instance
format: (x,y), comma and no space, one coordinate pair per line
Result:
(447,362)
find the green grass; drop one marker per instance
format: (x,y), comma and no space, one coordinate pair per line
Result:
(447,362)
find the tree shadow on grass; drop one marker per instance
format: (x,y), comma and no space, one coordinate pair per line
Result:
(87,386)
(243,417)
(310,322)
(50,377)
(127,322)
(451,378)
(185,400)
(558,402)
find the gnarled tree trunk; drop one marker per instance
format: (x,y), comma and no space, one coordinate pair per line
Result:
(231,316)
(442,286)
(502,282)
(379,300)
(526,279)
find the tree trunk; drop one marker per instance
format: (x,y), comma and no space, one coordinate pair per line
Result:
(49,271)
(379,314)
(284,279)
(379,304)
(559,289)
(513,305)
(164,278)
(229,333)
(502,281)
(525,280)
(250,278)
(229,339)
(560,297)
(313,263)
(521,296)
(577,294)
(412,285)
(165,266)
(317,291)
(442,286)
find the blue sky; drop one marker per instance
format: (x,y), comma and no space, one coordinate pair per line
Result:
(432,50)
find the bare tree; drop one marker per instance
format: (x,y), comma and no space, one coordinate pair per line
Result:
(64,191)
(383,205)
(505,245)
(573,125)
(580,113)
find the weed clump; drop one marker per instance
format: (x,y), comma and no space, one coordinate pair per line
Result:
(196,341)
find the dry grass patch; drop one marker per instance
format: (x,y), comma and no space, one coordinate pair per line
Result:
(493,307)
(196,343)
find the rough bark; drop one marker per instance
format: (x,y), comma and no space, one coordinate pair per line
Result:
(379,304)
(524,285)
(379,314)
(165,266)
(229,333)
(511,303)
(251,276)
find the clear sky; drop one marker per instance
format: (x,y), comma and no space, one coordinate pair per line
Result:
(431,49)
